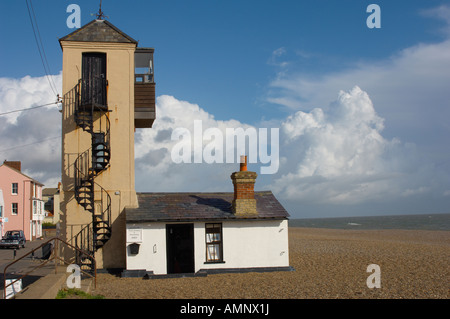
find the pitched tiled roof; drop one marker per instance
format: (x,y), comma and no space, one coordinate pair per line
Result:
(98,31)
(28,177)
(49,191)
(199,206)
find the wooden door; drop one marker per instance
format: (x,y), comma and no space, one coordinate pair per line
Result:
(93,77)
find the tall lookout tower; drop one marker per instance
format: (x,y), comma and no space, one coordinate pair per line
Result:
(109,91)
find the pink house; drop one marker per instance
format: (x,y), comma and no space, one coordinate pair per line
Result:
(22,204)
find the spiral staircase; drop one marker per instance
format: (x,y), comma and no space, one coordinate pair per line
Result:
(90,111)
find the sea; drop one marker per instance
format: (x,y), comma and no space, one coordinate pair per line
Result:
(414,222)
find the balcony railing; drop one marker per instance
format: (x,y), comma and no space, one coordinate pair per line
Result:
(144,78)
(93,92)
(144,88)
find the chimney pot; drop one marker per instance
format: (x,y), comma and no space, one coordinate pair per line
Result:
(243,165)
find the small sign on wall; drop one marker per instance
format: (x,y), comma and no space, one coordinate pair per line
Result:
(134,235)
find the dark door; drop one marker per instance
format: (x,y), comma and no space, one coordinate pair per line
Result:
(93,77)
(180,248)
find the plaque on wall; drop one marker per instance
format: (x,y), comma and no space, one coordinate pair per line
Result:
(134,235)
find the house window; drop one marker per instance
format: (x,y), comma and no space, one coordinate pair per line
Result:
(1,212)
(14,188)
(14,208)
(214,243)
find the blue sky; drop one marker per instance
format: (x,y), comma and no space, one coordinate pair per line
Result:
(280,64)
(217,53)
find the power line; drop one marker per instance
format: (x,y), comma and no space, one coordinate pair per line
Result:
(41,54)
(37,142)
(46,65)
(27,109)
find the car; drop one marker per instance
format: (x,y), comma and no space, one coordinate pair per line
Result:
(13,238)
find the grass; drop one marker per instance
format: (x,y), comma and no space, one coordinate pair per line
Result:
(73,293)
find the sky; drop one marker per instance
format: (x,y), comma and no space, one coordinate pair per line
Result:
(362,113)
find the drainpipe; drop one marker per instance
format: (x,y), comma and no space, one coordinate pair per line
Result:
(23,209)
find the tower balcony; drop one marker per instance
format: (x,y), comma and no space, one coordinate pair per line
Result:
(144,88)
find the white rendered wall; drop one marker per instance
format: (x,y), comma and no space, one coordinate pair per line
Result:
(246,244)
(152,250)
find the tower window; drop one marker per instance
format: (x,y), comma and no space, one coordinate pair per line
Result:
(143,62)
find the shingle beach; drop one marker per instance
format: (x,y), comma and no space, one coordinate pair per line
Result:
(328,263)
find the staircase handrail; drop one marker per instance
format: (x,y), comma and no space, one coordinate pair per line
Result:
(84,176)
(55,258)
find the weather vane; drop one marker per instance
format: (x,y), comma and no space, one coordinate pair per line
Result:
(100,14)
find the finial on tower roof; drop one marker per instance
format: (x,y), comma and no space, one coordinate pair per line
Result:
(100,15)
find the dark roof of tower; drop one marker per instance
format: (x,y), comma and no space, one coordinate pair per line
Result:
(98,31)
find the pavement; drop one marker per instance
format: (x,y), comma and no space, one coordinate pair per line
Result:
(40,283)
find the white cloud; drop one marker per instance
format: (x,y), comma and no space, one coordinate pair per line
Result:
(410,92)
(16,94)
(418,71)
(442,13)
(331,155)
(338,154)
(345,152)
(158,172)
(33,136)
(276,57)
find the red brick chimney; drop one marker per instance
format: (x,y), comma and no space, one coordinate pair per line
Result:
(14,164)
(244,202)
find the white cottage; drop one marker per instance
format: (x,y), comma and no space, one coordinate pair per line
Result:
(201,233)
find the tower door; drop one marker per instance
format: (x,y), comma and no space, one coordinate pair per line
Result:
(93,77)
(180,248)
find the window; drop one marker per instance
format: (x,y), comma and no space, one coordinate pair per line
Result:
(213,243)
(14,188)
(14,208)
(1,212)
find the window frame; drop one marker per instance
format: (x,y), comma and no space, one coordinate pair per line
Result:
(15,207)
(16,187)
(213,242)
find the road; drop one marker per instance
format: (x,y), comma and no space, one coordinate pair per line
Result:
(24,265)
